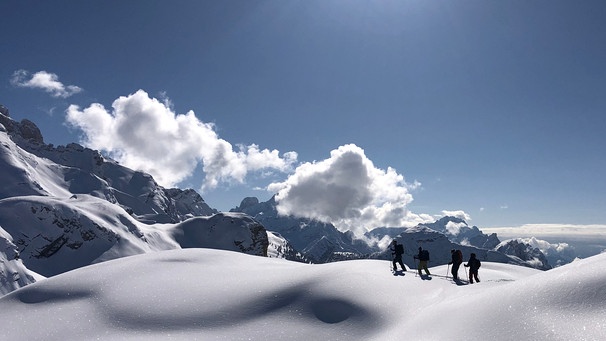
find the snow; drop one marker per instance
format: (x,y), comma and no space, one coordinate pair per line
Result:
(13,274)
(24,173)
(105,229)
(206,294)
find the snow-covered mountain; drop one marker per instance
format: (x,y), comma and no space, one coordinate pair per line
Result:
(203,294)
(457,231)
(319,242)
(279,247)
(34,168)
(557,254)
(226,231)
(525,252)
(62,208)
(55,235)
(439,247)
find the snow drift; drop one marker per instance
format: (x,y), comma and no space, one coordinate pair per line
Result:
(203,294)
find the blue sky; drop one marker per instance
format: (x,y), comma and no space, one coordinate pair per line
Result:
(359,112)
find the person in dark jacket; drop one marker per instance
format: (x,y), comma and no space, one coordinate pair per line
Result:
(396,252)
(423,258)
(474,265)
(457,259)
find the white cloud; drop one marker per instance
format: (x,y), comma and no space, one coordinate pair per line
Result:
(557,254)
(454,228)
(348,191)
(586,240)
(46,81)
(550,230)
(457,214)
(144,133)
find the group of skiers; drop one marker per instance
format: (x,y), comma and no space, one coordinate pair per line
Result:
(397,250)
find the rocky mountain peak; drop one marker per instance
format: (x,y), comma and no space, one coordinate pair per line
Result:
(248,202)
(25,130)
(4,110)
(525,252)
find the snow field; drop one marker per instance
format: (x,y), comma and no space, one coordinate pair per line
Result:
(204,294)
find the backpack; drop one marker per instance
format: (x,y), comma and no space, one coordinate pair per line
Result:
(424,255)
(399,249)
(459,256)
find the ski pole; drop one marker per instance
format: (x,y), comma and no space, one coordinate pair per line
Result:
(447,270)
(466,273)
(416,266)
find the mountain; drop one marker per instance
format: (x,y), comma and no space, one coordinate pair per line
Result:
(557,254)
(319,242)
(439,247)
(225,231)
(433,238)
(457,231)
(204,294)
(35,168)
(279,247)
(525,252)
(65,207)
(56,235)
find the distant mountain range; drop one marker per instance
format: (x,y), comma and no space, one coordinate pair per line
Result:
(322,242)
(66,207)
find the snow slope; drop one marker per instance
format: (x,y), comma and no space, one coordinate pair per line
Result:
(56,235)
(29,168)
(204,294)
(13,274)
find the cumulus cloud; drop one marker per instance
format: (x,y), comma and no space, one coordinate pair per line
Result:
(46,81)
(144,133)
(348,191)
(457,214)
(345,189)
